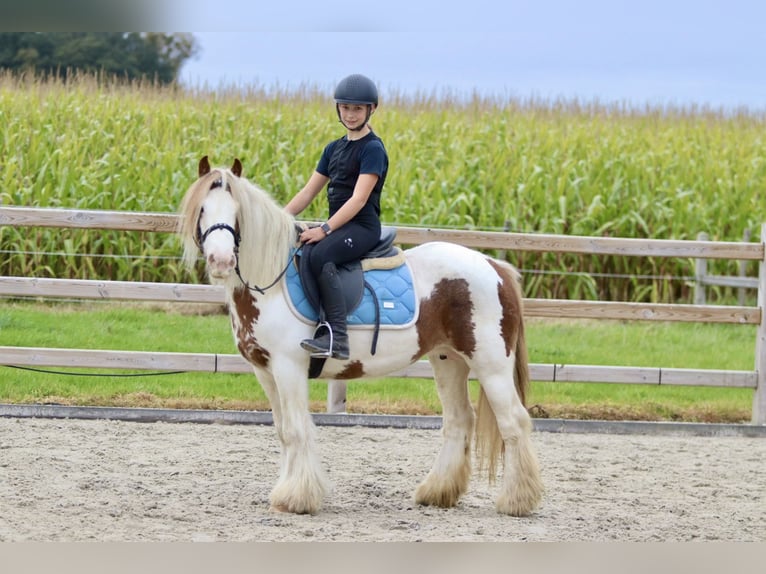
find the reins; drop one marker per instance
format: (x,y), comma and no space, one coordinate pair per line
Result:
(262,290)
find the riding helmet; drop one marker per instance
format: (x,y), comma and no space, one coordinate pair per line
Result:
(356,89)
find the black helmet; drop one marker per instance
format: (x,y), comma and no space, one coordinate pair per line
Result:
(356,89)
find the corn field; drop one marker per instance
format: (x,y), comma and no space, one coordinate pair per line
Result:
(564,167)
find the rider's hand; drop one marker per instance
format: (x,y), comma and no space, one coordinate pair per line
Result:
(312,235)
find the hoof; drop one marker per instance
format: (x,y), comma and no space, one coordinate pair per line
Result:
(285,509)
(521,504)
(443,494)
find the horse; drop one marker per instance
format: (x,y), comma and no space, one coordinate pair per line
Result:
(469,321)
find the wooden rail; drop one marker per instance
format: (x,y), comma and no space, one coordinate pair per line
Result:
(110,290)
(228,363)
(557,308)
(87,219)
(162,222)
(126,221)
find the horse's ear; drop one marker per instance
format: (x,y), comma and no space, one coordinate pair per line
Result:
(236,169)
(204,166)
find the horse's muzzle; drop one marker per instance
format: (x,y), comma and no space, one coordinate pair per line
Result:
(220,267)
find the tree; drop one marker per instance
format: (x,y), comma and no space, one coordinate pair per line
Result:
(131,55)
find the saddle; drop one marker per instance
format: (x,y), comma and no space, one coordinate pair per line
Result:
(352,273)
(384,255)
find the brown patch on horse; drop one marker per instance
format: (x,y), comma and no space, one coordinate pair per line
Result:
(248,313)
(446,318)
(509,294)
(353,370)
(512,323)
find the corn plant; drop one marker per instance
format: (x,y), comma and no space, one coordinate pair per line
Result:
(565,167)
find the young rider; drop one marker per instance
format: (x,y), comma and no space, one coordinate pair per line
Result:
(354,168)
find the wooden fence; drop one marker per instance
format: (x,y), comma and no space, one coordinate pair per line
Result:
(115,290)
(702,279)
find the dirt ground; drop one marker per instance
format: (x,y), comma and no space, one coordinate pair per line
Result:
(78,480)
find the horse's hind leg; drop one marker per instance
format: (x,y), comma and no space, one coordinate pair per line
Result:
(448,478)
(522,486)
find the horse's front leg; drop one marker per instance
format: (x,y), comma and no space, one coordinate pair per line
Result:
(269,385)
(302,484)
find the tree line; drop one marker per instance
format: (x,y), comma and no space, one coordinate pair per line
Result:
(130,55)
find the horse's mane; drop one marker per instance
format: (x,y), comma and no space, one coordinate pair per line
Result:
(189,215)
(267,231)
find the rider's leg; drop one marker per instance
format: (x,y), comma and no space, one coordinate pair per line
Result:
(332,342)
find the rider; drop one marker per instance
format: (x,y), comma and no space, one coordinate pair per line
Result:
(355,167)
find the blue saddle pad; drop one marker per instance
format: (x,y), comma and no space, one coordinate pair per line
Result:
(393,287)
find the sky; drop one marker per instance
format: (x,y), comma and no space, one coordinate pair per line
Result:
(683,53)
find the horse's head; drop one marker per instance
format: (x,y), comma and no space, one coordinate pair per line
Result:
(209,219)
(222,209)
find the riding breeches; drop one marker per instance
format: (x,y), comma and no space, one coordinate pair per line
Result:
(348,243)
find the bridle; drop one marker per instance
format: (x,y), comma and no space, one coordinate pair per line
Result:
(200,237)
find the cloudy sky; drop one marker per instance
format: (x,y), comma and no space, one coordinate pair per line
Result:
(677,52)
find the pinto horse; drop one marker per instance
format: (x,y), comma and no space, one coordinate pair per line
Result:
(469,320)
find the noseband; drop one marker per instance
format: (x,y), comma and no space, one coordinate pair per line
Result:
(200,238)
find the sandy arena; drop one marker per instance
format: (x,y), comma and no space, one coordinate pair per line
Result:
(79,480)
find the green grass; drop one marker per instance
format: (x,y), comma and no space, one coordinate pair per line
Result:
(156,328)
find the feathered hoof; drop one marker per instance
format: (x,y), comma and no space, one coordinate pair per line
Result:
(284,509)
(296,504)
(293,508)
(523,502)
(444,496)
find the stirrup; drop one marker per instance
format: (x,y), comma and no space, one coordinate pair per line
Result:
(323,354)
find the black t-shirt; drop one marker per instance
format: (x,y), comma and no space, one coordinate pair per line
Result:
(343,161)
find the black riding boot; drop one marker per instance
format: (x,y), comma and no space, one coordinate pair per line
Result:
(333,333)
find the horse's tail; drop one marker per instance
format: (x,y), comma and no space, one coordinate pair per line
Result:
(489,443)
(521,374)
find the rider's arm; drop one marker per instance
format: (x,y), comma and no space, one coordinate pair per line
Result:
(305,196)
(362,190)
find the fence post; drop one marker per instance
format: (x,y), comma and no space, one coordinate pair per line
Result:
(759,399)
(336,396)
(700,272)
(743,270)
